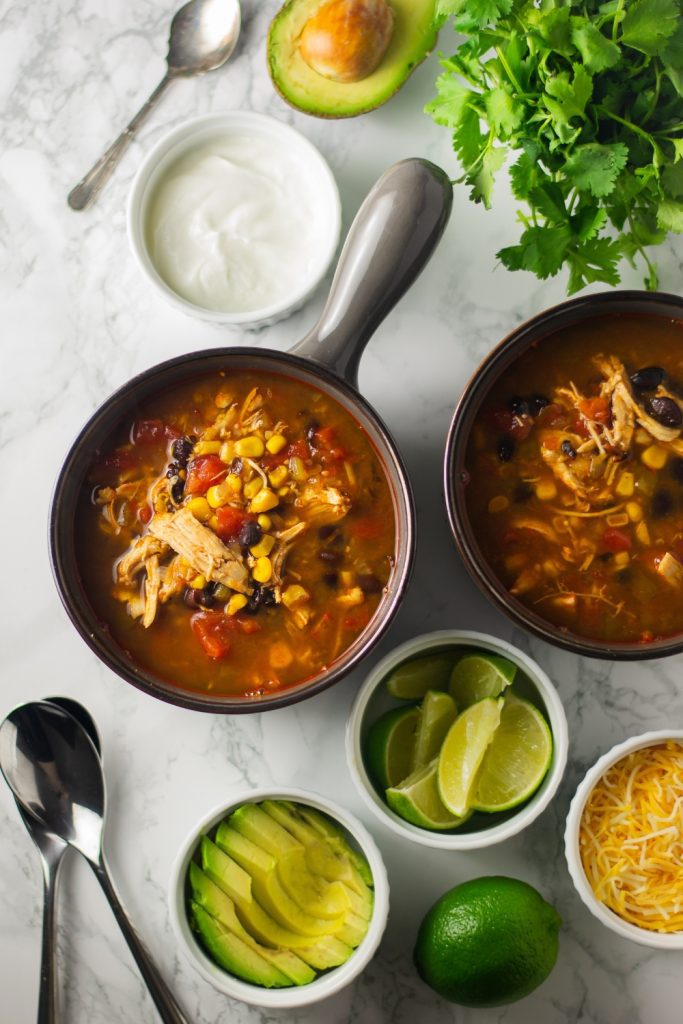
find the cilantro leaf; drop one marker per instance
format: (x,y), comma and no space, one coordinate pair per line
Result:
(504,113)
(565,98)
(595,168)
(493,160)
(469,142)
(450,104)
(648,24)
(524,176)
(541,250)
(473,14)
(593,260)
(670,215)
(597,52)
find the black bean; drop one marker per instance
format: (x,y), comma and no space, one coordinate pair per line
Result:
(181,449)
(326,531)
(568,449)
(506,449)
(173,470)
(236,466)
(193,598)
(369,583)
(665,411)
(261,597)
(648,379)
(522,492)
(604,556)
(177,491)
(331,557)
(519,406)
(331,579)
(250,533)
(661,505)
(311,429)
(676,469)
(536,403)
(624,576)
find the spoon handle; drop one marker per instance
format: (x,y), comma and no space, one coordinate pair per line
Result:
(169,1011)
(47,998)
(89,187)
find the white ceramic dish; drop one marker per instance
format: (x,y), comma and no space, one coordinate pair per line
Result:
(326,984)
(374,700)
(658,940)
(324,198)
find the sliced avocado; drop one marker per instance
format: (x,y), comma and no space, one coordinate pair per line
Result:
(234,955)
(312,892)
(219,905)
(326,827)
(327,951)
(414,35)
(253,822)
(267,887)
(353,930)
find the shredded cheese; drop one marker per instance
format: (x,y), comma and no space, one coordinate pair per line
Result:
(631,838)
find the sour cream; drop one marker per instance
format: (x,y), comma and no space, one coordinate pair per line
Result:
(237,223)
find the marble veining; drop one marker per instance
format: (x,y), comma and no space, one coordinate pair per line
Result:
(77,321)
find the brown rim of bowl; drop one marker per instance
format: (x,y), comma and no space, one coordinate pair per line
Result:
(532,331)
(100,426)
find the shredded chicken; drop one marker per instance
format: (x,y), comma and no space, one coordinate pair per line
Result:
(324,504)
(201,547)
(136,557)
(152,584)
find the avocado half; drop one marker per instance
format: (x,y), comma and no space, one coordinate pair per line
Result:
(413,39)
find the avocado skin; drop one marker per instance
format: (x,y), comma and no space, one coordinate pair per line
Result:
(415,35)
(234,955)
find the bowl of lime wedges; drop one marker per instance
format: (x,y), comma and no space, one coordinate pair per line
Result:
(457,740)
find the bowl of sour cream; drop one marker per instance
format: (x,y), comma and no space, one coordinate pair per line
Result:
(234,218)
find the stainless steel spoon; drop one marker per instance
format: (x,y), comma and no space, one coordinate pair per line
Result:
(51,850)
(203,35)
(54,771)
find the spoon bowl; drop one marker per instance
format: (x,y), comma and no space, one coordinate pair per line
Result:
(203,36)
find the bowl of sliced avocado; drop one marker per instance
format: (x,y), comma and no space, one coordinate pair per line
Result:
(280,898)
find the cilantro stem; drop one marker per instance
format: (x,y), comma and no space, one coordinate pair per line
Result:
(617,20)
(627,124)
(509,72)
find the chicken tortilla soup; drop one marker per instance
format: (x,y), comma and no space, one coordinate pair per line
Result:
(238,535)
(575,493)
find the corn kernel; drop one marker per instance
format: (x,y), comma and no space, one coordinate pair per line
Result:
(297,469)
(265,522)
(251,447)
(264,546)
(223,400)
(498,504)
(213,523)
(622,559)
(263,569)
(643,534)
(198,583)
(284,491)
(252,488)
(276,443)
(264,501)
(546,490)
(634,511)
(346,577)
(278,476)
(654,457)
(625,485)
(294,595)
(227,452)
(200,509)
(351,598)
(207,448)
(236,603)
(218,495)
(233,483)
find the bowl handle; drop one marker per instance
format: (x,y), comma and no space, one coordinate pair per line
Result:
(389,243)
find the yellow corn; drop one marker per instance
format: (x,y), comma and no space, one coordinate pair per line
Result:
(351,598)
(227,452)
(654,457)
(207,448)
(265,522)
(297,469)
(233,483)
(643,534)
(251,447)
(634,511)
(622,559)
(200,509)
(618,519)
(294,595)
(198,583)
(236,603)
(264,501)
(263,569)
(213,523)
(283,491)
(350,474)
(346,577)
(498,504)
(223,400)
(219,494)
(625,485)
(276,443)
(546,490)
(253,487)
(278,476)
(264,546)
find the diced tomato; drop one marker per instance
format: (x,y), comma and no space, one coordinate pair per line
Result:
(367,529)
(153,432)
(144,513)
(326,438)
(120,460)
(552,416)
(579,427)
(521,427)
(213,630)
(203,472)
(230,521)
(503,420)
(510,537)
(615,540)
(298,449)
(597,409)
(246,625)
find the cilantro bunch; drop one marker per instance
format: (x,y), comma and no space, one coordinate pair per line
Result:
(590,95)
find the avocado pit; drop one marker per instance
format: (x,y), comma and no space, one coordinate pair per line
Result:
(346,40)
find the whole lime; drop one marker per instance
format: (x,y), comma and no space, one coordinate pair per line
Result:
(488,942)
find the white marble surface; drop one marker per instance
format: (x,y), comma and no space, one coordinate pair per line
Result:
(78,320)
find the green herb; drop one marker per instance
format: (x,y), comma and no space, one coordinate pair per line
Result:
(590,96)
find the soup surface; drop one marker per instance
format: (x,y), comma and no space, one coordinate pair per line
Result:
(576,489)
(238,535)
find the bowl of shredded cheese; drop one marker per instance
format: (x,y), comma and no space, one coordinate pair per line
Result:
(624,839)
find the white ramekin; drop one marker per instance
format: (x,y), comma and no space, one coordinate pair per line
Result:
(326,984)
(498,830)
(659,940)
(195,131)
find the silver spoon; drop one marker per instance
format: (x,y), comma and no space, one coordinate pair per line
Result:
(54,771)
(203,35)
(51,850)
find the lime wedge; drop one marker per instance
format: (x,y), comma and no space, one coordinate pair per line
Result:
(438,714)
(480,675)
(463,751)
(390,744)
(412,679)
(417,801)
(516,760)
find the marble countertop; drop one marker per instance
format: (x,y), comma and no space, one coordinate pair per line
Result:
(77,321)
